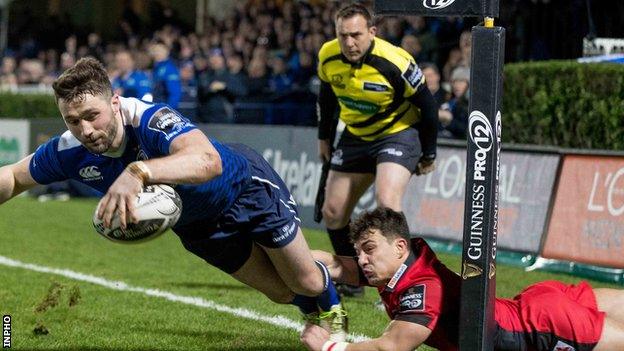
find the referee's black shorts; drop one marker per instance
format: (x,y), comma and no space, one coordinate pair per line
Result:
(353,155)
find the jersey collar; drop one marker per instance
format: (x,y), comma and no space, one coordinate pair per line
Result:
(400,272)
(122,147)
(363,60)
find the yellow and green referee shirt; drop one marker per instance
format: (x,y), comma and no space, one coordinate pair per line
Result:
(373,94)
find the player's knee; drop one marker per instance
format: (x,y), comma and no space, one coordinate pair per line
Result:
(332,215)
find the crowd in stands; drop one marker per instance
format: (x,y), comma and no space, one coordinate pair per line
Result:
(256,65)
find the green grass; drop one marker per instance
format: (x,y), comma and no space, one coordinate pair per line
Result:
(60,235)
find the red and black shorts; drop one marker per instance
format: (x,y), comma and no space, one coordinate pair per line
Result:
(354,155)
(549,316)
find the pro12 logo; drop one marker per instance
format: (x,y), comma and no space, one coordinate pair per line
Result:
(482,136)
(437,4)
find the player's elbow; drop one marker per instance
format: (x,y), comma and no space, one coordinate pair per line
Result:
(213,167)
(207,166)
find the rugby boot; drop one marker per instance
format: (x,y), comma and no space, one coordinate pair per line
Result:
(336,322)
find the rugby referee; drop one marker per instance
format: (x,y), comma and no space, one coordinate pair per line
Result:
(390,118)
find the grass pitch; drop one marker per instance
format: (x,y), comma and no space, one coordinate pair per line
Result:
(54,312)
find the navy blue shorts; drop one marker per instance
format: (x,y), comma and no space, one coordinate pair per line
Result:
(264,213)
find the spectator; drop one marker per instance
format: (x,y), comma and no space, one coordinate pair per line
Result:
(280,80)
(418,27)
(257,84)
(30,72)
(258,79)
(465,46)
(129,81)
(8,78)
(412,45)
(432,78)
(189,103)
(304,69)
(166,84)
(67,60)
(218,89)
(71,45)
(94,46)
(235,68)
(453,61)
(453,116)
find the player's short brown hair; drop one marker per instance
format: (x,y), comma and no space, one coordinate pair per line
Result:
(390,223)
(87,76)
(354,10)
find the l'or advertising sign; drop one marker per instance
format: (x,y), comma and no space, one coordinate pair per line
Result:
(14,136)
(587,223)
(434,204)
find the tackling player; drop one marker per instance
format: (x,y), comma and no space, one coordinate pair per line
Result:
(390,116)
(421,296)
(237,213)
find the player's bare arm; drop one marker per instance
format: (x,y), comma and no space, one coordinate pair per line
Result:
(192,160)
(342,269)
(15,179)
(398,336)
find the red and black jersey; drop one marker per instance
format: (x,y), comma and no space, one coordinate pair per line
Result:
(547,316)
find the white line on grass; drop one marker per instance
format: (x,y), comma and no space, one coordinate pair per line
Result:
(276,320)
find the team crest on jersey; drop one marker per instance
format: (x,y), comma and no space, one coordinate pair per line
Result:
(413,299)
(166,121)
(412,75)
(336,80)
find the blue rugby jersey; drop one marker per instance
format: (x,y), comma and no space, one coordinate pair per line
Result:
(167,86)
(136,84)
(149,131)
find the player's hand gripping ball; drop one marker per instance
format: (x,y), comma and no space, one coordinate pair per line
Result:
(158,208)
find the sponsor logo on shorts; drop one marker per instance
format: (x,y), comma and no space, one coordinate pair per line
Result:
(286,232)
(413,299)
(562,346)
(337,157)
(437,4)
(90,173)
(392,151)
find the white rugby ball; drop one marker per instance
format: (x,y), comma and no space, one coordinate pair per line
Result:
(158,208)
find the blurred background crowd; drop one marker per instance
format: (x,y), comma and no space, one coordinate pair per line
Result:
(255,61)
